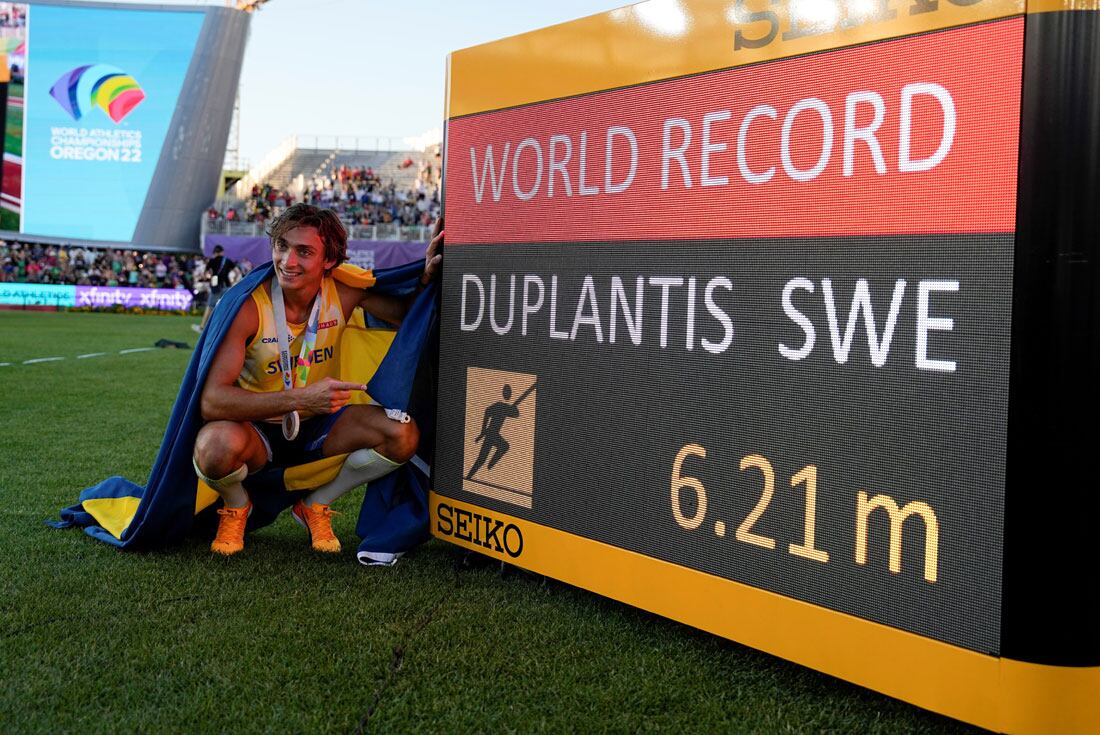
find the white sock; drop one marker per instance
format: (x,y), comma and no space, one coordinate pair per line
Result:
(362,465)
(234,495)
(230,489)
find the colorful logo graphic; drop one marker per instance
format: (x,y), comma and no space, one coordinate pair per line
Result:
(13,45)
(101,85)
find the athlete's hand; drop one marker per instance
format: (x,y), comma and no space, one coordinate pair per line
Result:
(434,256)
(328,395)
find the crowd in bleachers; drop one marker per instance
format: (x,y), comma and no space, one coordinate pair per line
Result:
(13,15)
(358,195)
(361,198)
(262,205)
(73,265)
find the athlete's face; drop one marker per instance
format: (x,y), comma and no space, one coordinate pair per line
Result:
(299,257)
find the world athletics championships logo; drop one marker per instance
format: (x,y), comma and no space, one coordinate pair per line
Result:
(107,87)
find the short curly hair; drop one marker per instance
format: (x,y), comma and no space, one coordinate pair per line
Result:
(331,230)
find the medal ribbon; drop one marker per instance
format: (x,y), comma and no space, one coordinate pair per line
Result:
(305,356)
(309,340)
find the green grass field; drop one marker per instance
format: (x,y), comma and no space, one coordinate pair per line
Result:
(13,143)
(279,639)
(13,138)
(9,220)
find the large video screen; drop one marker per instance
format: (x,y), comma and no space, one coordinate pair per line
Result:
(92,96)
(753,322)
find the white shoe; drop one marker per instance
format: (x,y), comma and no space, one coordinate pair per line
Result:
(196,328)
(378,558)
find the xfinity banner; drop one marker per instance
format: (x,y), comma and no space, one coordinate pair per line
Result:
(38,294)
(101,86)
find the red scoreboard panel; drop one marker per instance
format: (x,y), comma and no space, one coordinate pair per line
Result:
(777,319)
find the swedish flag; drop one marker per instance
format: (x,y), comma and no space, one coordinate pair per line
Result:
(394,515)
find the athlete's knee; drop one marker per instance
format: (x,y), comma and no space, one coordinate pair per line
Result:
(402,440)
(221,447)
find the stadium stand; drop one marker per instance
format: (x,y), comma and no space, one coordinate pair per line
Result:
(379,195)
(298,164)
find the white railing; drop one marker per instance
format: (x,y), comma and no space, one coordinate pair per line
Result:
(391,231)
(259,173)
(350,143)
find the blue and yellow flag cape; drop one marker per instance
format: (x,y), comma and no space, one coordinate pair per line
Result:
(394,514)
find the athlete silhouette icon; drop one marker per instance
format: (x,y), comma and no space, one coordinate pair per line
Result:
(490,436)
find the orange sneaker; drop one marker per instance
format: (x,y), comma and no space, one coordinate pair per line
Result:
(230,538)
(317,519)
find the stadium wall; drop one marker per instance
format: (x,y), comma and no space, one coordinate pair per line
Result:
(186,178)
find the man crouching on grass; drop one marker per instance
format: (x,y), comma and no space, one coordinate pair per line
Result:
(257,413)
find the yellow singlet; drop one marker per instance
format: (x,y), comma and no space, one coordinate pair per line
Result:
(261,373)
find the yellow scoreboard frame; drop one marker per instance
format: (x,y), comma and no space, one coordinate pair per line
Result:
(1036,668)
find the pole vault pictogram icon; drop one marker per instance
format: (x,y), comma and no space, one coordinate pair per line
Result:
(499,448)
(490,438)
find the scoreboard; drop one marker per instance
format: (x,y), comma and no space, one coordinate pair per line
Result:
(778,319)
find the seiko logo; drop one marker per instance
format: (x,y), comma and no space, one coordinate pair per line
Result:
(482,530)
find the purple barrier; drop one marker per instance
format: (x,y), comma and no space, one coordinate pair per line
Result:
(169,299)
(257,250)
(363,253)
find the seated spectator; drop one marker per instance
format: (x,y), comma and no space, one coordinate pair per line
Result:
(357,194)
(63,264)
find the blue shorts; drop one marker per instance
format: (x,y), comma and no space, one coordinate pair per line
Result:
(306,447)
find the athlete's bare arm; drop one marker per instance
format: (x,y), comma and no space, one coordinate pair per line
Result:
(224,400)
(393,309)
